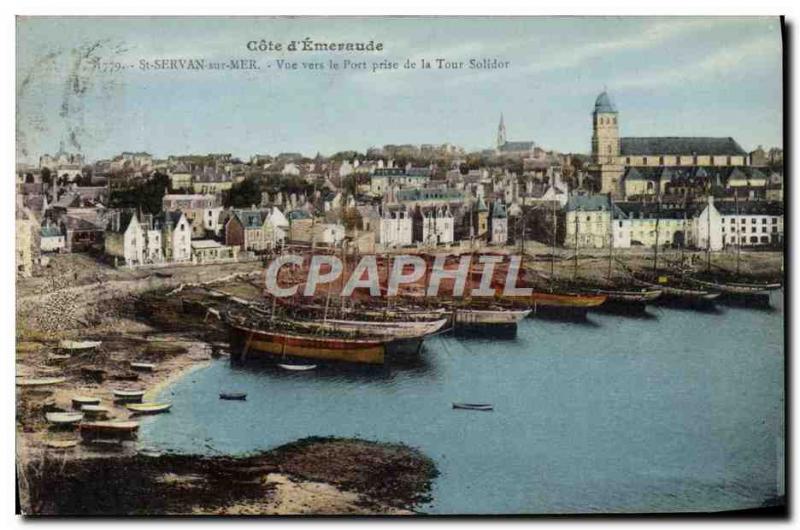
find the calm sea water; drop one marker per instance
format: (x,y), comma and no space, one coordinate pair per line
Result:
(679,412)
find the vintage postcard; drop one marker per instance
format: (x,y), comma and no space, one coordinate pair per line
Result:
(399,265)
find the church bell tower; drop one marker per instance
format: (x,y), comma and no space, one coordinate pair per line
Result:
(501,132)
(605,131)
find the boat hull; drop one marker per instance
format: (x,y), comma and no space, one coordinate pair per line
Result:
(564,306)
(247,343)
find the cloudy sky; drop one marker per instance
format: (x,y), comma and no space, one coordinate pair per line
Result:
(667,76)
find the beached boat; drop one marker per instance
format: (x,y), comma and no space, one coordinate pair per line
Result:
(489,317)
(95,411)
(61,444)
(394,329)
(233,396)
(570,305)
(64,418)
(677,293)
(142,367)
(149,408)
(56,358)
(162,274)
(128,395)
(79,345)
(108,429)
(746,294)
(298,367)
(247,342)
(622,300)
(473,406)
(78,402)
(41,381)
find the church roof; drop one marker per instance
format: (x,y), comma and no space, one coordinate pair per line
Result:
(603,103)
(679,145)
(516,146)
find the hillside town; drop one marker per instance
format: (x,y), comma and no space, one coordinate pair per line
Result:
(136,210)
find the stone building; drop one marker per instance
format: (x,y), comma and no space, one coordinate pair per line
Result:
(612,154)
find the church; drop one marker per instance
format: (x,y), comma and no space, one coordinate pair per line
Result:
(613,156)
(508,148)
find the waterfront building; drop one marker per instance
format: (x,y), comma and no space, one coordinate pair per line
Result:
(125,240)
(176,235)
(250,230)
(395,227)
(751,223)
(210,251)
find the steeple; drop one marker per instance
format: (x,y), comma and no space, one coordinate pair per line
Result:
(501,132)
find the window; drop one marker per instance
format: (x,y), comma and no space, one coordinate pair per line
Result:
(753,229)
(644,160)
(754,239)
(774,229)
(620,224)
(764,239)
(774,220)
(763,220)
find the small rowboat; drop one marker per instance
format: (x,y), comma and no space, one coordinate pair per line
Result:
(128,395)
(42,381)
(474,406)
(61,444)
(233,396)
(95,411)
(144,367)
(55,357)
(163,274)
(78,402)
(149,408)
(298,367)
(64,418)
(79,345)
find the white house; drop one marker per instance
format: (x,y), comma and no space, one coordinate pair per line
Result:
(434,225)
(176,234)
(751,224)
(706,228)
(125,240)
(52,240)
(395,227)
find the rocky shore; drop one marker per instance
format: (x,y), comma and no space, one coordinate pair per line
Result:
(320,476)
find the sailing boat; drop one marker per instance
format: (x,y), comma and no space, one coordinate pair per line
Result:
(733,290)
(560,303)
(619,299)
(675,291)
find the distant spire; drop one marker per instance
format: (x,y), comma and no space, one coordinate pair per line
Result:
(501,132)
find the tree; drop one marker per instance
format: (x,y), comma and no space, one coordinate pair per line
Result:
(47,176)
(243,194)
(148,195)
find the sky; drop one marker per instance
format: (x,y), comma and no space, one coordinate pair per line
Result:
(667,76)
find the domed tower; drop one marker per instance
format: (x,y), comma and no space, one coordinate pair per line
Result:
(605,131)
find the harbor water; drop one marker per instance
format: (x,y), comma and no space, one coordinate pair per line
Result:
(682,411)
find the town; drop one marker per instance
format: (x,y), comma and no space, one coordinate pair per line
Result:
(137,211)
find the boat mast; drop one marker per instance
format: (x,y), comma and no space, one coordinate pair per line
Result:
(655,253)
(708,237)
(553,253)
(739,235)
(610,234)
(575,269)
(683,227)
